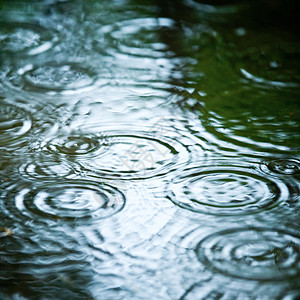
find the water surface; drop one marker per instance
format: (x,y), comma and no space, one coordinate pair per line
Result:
(149,150)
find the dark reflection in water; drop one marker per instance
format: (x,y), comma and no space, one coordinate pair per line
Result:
(149,149)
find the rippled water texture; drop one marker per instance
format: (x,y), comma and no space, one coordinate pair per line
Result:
(252,253)
(149,149)
(15,122)
(227,190)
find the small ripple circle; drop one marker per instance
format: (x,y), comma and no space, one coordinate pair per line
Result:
(58,77)
(226,190)
(284,166)
(53,77)
(45,168)
(252,253)
(127,33)
(74,144)
(72,200)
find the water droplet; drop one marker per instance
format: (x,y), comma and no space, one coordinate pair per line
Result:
(226,190)
(252,253)
(241,31)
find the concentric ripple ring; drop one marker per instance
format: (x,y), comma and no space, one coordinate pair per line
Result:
(284,166)
(136,156)
(72,200)
(122,154)
(58,77)
(53,77)
(74,144)
(45,168)
(252,253)
(226,190)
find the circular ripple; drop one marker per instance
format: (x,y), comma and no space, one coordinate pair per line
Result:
(134,155)
(53,77)
(136,37)
(16,38)
(58,77)
(14,123)
(72,200)
(226,190)
(46,168)
(255,253)
(137,156)
(284,166)
(74,145)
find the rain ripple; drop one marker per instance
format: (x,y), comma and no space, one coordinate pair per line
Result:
(131,31)
(74,145)
(46,168)
(123,154)
(54,77)
(255,136)
(70,200)
(283,166)
(144,60)
(226,190)
(252,253)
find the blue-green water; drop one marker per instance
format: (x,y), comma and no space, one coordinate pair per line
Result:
(149,150)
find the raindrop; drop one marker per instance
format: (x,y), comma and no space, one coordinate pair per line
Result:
(57,77)
(129,32)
